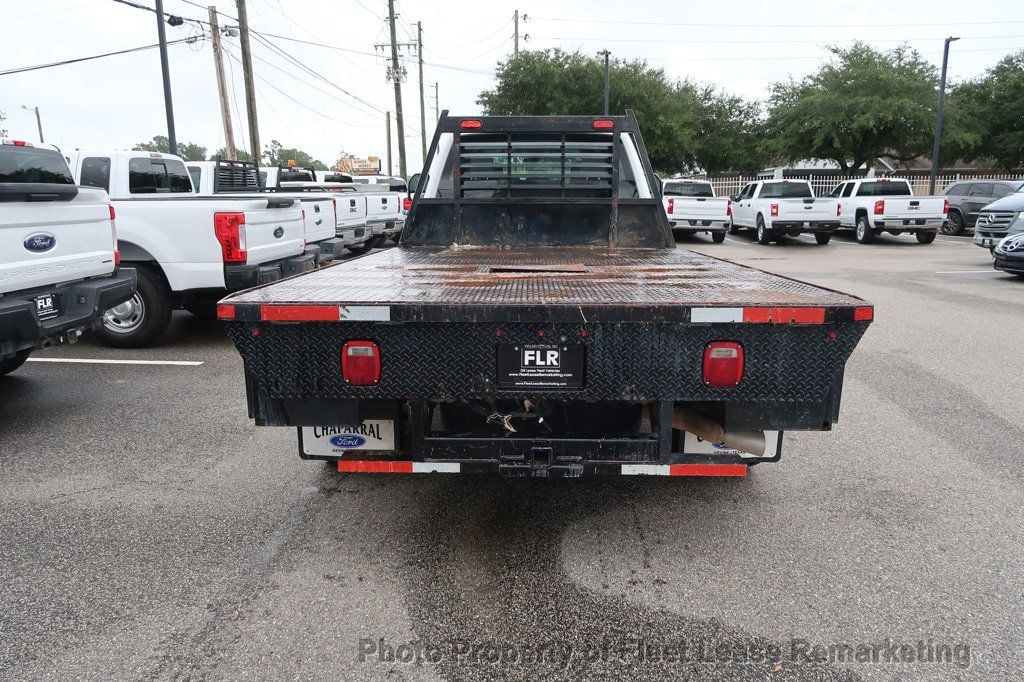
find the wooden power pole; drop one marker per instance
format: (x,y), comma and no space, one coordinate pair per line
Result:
(423,104)
(516,18)
(222,91)
(396,72)
(387,124)
(250,87)
(437,103)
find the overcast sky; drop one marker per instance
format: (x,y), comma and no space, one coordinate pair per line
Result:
(117,101)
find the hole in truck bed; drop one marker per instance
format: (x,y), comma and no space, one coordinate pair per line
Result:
(565,267)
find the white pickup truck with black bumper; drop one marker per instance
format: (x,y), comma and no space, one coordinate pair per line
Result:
(875,205)
(691,207)
(58,254)
(783,207)
(188,250)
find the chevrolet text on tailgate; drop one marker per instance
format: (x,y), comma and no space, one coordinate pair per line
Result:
(537,320)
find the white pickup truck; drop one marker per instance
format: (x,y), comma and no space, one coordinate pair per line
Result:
(875,205)
(320,211)
(778,207)
(59,264)
(188,250)
(691,206)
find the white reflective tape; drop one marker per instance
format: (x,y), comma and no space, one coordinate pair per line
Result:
(436,467)
(646,470)
(716,315)
(365,313)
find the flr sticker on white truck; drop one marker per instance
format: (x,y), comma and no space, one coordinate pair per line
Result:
(372,434)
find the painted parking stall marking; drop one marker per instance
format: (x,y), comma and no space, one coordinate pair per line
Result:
(102,361)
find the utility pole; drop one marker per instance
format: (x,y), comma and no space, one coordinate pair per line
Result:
(938,117)
(387,123)
(250,87)
(606,53)
(437,104)
(423,105)
(39,120)
(222,91)
(397,75)
(516,19)
(165,70)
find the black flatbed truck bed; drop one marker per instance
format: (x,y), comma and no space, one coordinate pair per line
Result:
(630,327)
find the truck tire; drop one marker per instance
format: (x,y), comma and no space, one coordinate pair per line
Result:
(865,235)
(925,237)
(140,320)
(822,237)
(954,223)
(718,237)
(8,365)
(763,236)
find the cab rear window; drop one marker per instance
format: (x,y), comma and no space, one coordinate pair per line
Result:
(33,165)
(884,189)
(158,176)
(786,190)
(688,189)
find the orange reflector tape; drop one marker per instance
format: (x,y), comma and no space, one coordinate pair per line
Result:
(785,315)
(863,314)
(370,467)
(300,313)
(708,470)
(225,312)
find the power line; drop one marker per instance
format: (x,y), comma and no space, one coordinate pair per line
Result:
(762,25)
(23,69)
(687,41)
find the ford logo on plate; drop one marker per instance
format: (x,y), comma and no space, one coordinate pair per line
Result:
(40,242)
(347,441)
(279,232)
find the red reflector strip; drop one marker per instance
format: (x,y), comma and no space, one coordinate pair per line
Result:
(785,315)
(863,314)
(470,124)
(300,313)
(386,467)
(708,470)
(225,312)
(603,124)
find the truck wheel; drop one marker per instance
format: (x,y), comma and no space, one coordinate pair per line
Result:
(925,237)
(763,236)
(8,365)
(718,237)
(865,235)
(954,223)
(822,237)
(141,319)
(362,248)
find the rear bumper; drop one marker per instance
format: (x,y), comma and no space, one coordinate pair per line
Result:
(909,224)
(329,249)
(81,307)
(237,277)
(1013,265)
(805,225)
(698,225)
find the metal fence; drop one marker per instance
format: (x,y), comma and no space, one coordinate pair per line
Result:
(823,184)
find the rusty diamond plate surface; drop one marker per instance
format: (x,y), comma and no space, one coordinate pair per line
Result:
(569,276)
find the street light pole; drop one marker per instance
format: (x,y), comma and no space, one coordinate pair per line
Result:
(938,116)
(606,53)
(161,33)
(39,120)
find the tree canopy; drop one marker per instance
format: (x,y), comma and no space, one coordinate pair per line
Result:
(240,154)
(275,154)
(985,117)
(190,151)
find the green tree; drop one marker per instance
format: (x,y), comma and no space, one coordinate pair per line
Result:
(861,105)
(553,82)
(729,134)
(190,151)
(240,154)
(985,116)
(275,154)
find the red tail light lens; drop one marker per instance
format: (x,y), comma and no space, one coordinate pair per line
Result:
(470,124)
(671,206)
(113,235)
(360,363)
(406,204)
(880,207)
(334,206)
(839,209)
(113,213)
(945,206)
(775,210)
(728,208)
(723,364)
(230,231)
(603,124)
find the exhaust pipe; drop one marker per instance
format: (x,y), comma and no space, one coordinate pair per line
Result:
(686,419)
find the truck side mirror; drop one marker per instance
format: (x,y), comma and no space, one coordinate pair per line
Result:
(734,198)
(414,182)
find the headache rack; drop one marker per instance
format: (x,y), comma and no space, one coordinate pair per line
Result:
(235,176)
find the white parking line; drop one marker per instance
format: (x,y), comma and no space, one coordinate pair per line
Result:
(93,361)
(966,272)
(734,241)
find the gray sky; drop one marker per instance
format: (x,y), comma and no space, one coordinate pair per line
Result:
(117,101)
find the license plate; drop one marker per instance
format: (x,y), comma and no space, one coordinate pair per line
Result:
(371,434)
(46,307)
(530,366)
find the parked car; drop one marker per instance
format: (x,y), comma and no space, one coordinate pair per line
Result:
(59,263)
(968,197)
(188,250)
(691,207)
(778,207)
(1000,218)
(1008,255)
(872,206)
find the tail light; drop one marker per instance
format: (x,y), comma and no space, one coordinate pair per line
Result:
(334,206)
(603,124)
(945,206)
(406,204)
(360,363)
(470,124)
(880,207)
(839,209)
(671,206)
(728,208)
(723,364)
(113,235)
(775,210)
(230,231)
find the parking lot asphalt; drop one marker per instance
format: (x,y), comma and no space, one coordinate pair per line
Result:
(148,530)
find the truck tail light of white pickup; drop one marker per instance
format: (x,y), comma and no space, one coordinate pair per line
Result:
(113,235)
(230,231)
(406,204)
(839,209)
(723,364)
(728,208)
(671,206)
(775,210)
(334,205)
(880,207)
(360,363)
(945,207)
